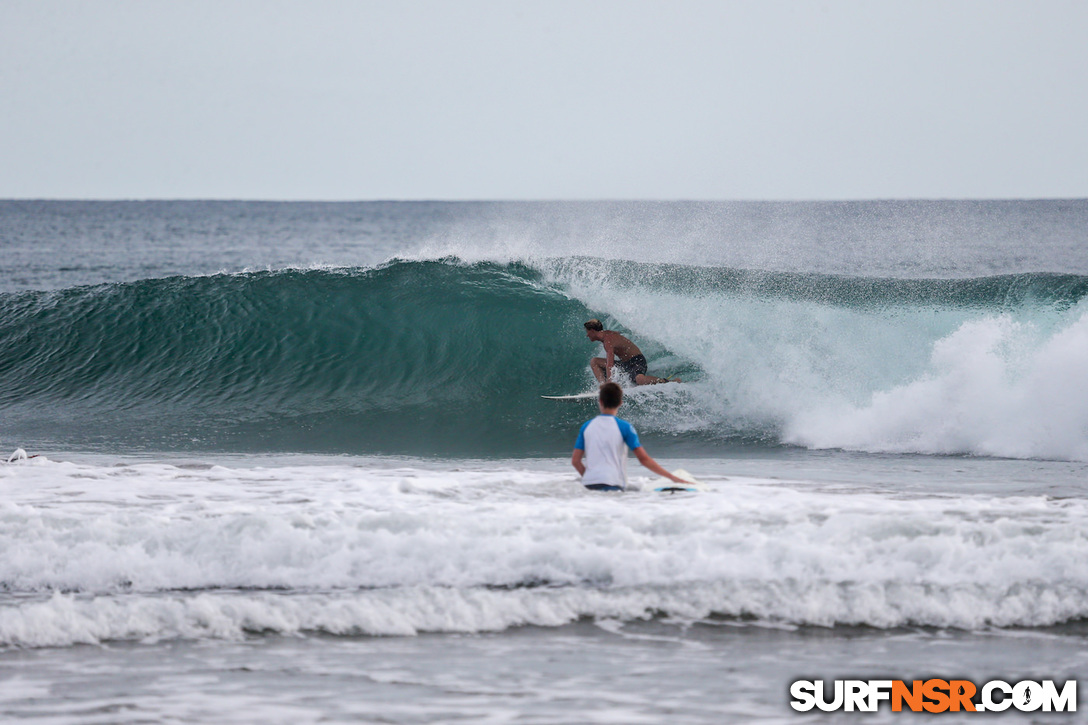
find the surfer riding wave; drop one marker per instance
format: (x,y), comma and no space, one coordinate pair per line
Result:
(619,352)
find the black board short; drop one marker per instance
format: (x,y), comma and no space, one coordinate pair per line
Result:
(632,366)
(603,487)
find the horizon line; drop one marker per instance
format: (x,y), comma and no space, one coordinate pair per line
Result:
(557,200)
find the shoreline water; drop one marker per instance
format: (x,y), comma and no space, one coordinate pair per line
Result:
(584,672)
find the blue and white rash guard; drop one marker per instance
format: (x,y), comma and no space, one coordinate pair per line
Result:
(605,440)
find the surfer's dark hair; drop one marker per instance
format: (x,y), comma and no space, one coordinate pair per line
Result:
(611,395)
(594,324)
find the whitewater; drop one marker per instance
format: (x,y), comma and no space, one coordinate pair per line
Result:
(293,464)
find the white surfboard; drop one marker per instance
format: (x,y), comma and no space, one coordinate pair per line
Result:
(636,391)
(576,396)
(691,483)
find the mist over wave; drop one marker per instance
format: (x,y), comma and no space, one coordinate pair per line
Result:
(987,366)
(449,357)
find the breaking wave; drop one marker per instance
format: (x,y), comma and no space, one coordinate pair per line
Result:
(446,357)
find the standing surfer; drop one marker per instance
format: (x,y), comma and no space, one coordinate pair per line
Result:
(619,352)
(600,453)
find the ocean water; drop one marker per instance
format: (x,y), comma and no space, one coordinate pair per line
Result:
(292,463)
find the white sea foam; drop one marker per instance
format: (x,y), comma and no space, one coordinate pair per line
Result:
(995,386)
(94,553)
(887,378)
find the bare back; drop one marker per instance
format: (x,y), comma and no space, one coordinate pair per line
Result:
(622,348)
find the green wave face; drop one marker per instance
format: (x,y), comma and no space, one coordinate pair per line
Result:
(448,358)
(411,357)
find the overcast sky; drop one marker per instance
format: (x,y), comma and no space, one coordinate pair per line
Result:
(479,99)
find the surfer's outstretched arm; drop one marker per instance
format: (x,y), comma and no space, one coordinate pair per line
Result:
(646,460)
